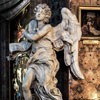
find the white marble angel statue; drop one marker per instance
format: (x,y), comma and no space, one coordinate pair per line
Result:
(44,40)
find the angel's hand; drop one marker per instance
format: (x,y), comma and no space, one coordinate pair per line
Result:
(58,43)
(20,34)
(22,30)
(10,57)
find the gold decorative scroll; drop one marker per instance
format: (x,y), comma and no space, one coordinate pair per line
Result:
(91,42)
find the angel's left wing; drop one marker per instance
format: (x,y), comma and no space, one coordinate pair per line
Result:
(57,41)
(71,51)
(66,36)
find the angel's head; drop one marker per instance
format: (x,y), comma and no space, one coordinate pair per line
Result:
(42,12)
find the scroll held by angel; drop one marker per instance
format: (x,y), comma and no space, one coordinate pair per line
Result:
(43,40)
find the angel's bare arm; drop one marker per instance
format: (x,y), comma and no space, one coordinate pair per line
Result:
(39,34)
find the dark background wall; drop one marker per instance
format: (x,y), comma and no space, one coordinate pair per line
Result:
(4,64)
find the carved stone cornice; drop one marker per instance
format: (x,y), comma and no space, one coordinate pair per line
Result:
(14,11)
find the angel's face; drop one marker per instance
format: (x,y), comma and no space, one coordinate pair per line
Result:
(40,14)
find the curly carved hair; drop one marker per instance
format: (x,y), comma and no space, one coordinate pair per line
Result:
(47,10)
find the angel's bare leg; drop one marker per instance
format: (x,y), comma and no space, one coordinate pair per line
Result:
(29,77)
